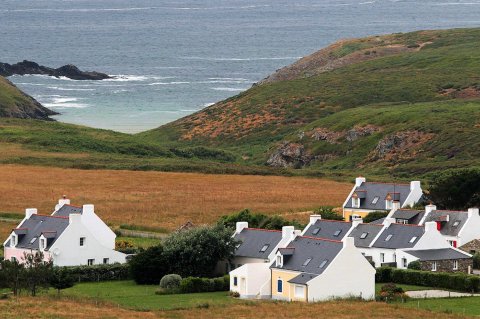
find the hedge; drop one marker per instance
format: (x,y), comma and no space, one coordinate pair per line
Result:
(99,272)
(454,281)
(196,284)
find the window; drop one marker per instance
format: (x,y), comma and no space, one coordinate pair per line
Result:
(264,248)
(323,263)
(337,233)
(33,240)
(306,262)
(13,259)
(413,239)
(356,202)
(279,285)
(235,281)
(389,237)
(404,263)
(402,221)
(363,236)
(299,291)
(456,223)
(388,204)
(455,265)
(394,256)
(434,266)
(382,257)
(82,241)
(14,241)
(279,261)
(375,200)
(315,231)
(106,260)
(42,244)
(90,262)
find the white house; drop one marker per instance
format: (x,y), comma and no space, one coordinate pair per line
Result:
(70,236)
(367,197)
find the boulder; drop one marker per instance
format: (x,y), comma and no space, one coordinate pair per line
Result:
(289,155)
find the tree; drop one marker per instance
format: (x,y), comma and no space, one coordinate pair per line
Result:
(415,265)
(257,220)
(61,279)
(374,216)
(12,275)
(455,189)
(38,271)
(327,212)
(149,266)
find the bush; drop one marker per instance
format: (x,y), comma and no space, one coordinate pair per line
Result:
(327,212)
(98,272)
(390,292)
(171,281)
(256,220)
(415,265)
(197,284)
(476,261)
(373,216)
(149,266)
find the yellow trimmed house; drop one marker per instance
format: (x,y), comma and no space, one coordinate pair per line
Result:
(367,197)
(314,269)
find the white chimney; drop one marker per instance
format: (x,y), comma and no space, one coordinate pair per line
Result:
(472,211)
(415,185)
(288,232)
(29,212)
(88,209)
(359,180)
(74,218)
(240,227)
(356,221)
(430,208)
(62,201)
(395,206)
(431,226)
(348,242)
(314,218)
(388,221)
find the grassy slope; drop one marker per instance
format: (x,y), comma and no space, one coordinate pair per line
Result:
(253,122)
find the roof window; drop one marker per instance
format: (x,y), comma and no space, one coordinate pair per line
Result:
(337,233)
(363,236)
(315,231)
(375,200)
(264,248)
(306,262)
(389,237)
(456,223)
(323,263)
(33,240)
(413,239)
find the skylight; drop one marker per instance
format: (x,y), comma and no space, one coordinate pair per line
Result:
(375,200)
(264,248)
(388,237)
(456,223)
(306,262)
(33,240)
(364,235)
(337,233)
(323,263)
(315,231)
(413,239)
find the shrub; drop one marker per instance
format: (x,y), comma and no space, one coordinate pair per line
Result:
(390,292)
(171,281)
(256,220)
(415,265)
(197,284)
(98,272)
(374,216)
(327,212)
(384,274)
(149,266)
(476,261)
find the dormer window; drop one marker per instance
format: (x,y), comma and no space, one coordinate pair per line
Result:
(355,202)
(389,204)
(279,261)
(42,244)
(14,240)
(389,237)
(264,248)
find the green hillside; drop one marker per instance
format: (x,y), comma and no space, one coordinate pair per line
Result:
(422,100)
(15,103)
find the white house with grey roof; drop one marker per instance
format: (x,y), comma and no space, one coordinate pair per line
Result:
(367,197)
(70,236)
(328,229)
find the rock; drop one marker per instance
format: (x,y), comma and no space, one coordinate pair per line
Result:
(360,131)
(400,146)
(323,134)
(289,155)
(70,71)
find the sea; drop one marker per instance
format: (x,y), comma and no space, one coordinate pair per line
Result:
(172,58)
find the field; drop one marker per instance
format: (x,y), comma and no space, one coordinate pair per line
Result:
(163,199)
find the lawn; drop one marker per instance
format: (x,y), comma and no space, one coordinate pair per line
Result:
(464,305)
(128,295)
(404,287)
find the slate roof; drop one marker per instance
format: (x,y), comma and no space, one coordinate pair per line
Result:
(66,210)
(323,228)
(401,235)
(317,249)
(438,254)
(371,230)
(378,221)
(448,228)
(253,240)
(37,224)
(302,279)
(413,216)
(370,190)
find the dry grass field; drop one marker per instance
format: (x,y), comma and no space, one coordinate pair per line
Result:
(163,199)
(42,307)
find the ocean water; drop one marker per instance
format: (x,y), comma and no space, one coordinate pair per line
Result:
(173,58)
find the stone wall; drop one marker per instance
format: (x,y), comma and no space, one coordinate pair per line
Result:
(447,265)
(471,247)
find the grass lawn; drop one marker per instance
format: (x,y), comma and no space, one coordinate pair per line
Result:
(469,306)
(404,287)
(127,294)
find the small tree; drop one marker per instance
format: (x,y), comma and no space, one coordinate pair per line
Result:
(61,279)
(12,275)
(373,216)
(149,266)
(327,212)
(476,261)
(415,265)
(455,189)
(38,271)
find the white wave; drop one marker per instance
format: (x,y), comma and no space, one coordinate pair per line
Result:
(229,89)
(457,4)
(120,91)
(208,104)
(68,89)
(367,2)
(66,105)
(239,59)
(135,78)
(169,83)
(60,100)
(233,79)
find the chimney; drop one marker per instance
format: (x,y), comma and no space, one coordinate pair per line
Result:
(431,226)
(240,227)
(288,232)
(395,206)
(62,201)
(29,212)
(429,208)
(388,221)
(314,218)
(88,209)
(74,218)
(359,180)
(356,221)
(472,211)
(348,242)
(415,185)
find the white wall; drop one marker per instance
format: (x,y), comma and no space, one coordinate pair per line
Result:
(97,227)
(349,274)
(253,280)
(415,194)
(471,229)
(66,251)
(432,239)
(375,253)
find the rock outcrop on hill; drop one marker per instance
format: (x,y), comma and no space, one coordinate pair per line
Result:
(289,155)
(70,71)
